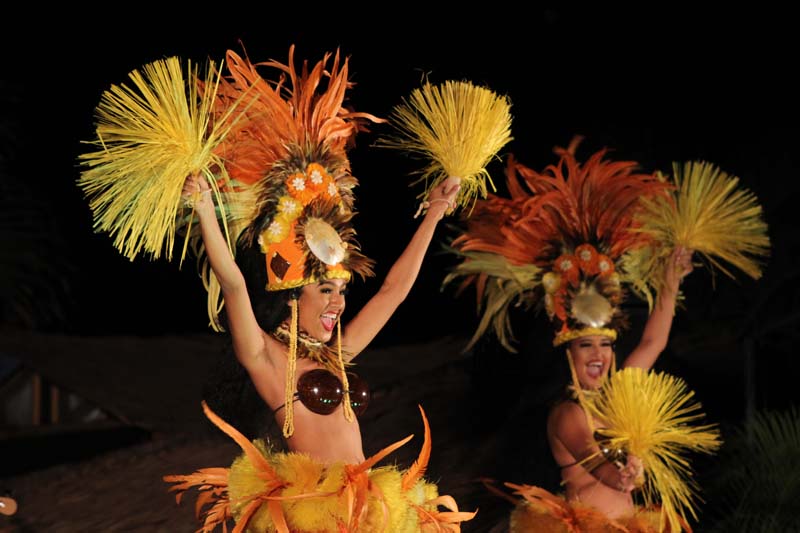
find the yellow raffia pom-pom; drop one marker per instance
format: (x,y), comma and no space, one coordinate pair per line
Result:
(653,416)
(709,213)
(149,138)
(459,127)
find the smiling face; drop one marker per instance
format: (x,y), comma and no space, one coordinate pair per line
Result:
(591,356)
(320,306)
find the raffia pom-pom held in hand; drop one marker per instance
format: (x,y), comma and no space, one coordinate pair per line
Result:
(710,213)
(656,419)
(148,137)
(445,193)
(457,128)
(195,192)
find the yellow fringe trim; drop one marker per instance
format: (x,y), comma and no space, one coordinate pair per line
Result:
(348,409)
(573,334)
(291,371)
(293,284)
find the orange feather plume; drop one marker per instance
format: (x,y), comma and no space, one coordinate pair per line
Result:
(417,470)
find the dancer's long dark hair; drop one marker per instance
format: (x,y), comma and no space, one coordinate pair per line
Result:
(228,389)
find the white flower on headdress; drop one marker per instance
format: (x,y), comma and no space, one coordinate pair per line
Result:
(277,230)
(585,255)
(274,230)
(551,281)
(316,177)
(604,266)
(299,183)
(289,207)
(332,191)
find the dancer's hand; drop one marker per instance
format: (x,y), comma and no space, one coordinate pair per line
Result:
(196,193)
(679,266)
(631,474)
(442,199)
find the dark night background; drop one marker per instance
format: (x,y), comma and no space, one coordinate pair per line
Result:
(656,86)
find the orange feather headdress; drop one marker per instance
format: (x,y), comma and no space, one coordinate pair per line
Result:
(566,238)
(286,159)
(289,179)
(575,238)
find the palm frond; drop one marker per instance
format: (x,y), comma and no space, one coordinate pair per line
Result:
(756,483)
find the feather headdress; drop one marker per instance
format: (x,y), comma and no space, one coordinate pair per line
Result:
(286,155)
(576,238)
(563,239)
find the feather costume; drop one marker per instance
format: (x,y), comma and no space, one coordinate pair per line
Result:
(574,241)
(263,491)
(273,151)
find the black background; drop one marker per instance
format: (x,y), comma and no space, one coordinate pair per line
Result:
(655,85)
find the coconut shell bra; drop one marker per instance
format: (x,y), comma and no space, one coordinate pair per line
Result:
(322,392)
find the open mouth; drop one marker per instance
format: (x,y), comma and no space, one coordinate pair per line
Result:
(328,321)
(595,369)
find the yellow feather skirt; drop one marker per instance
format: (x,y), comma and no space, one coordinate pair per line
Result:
(555,514)
(289,492)
(320,498)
